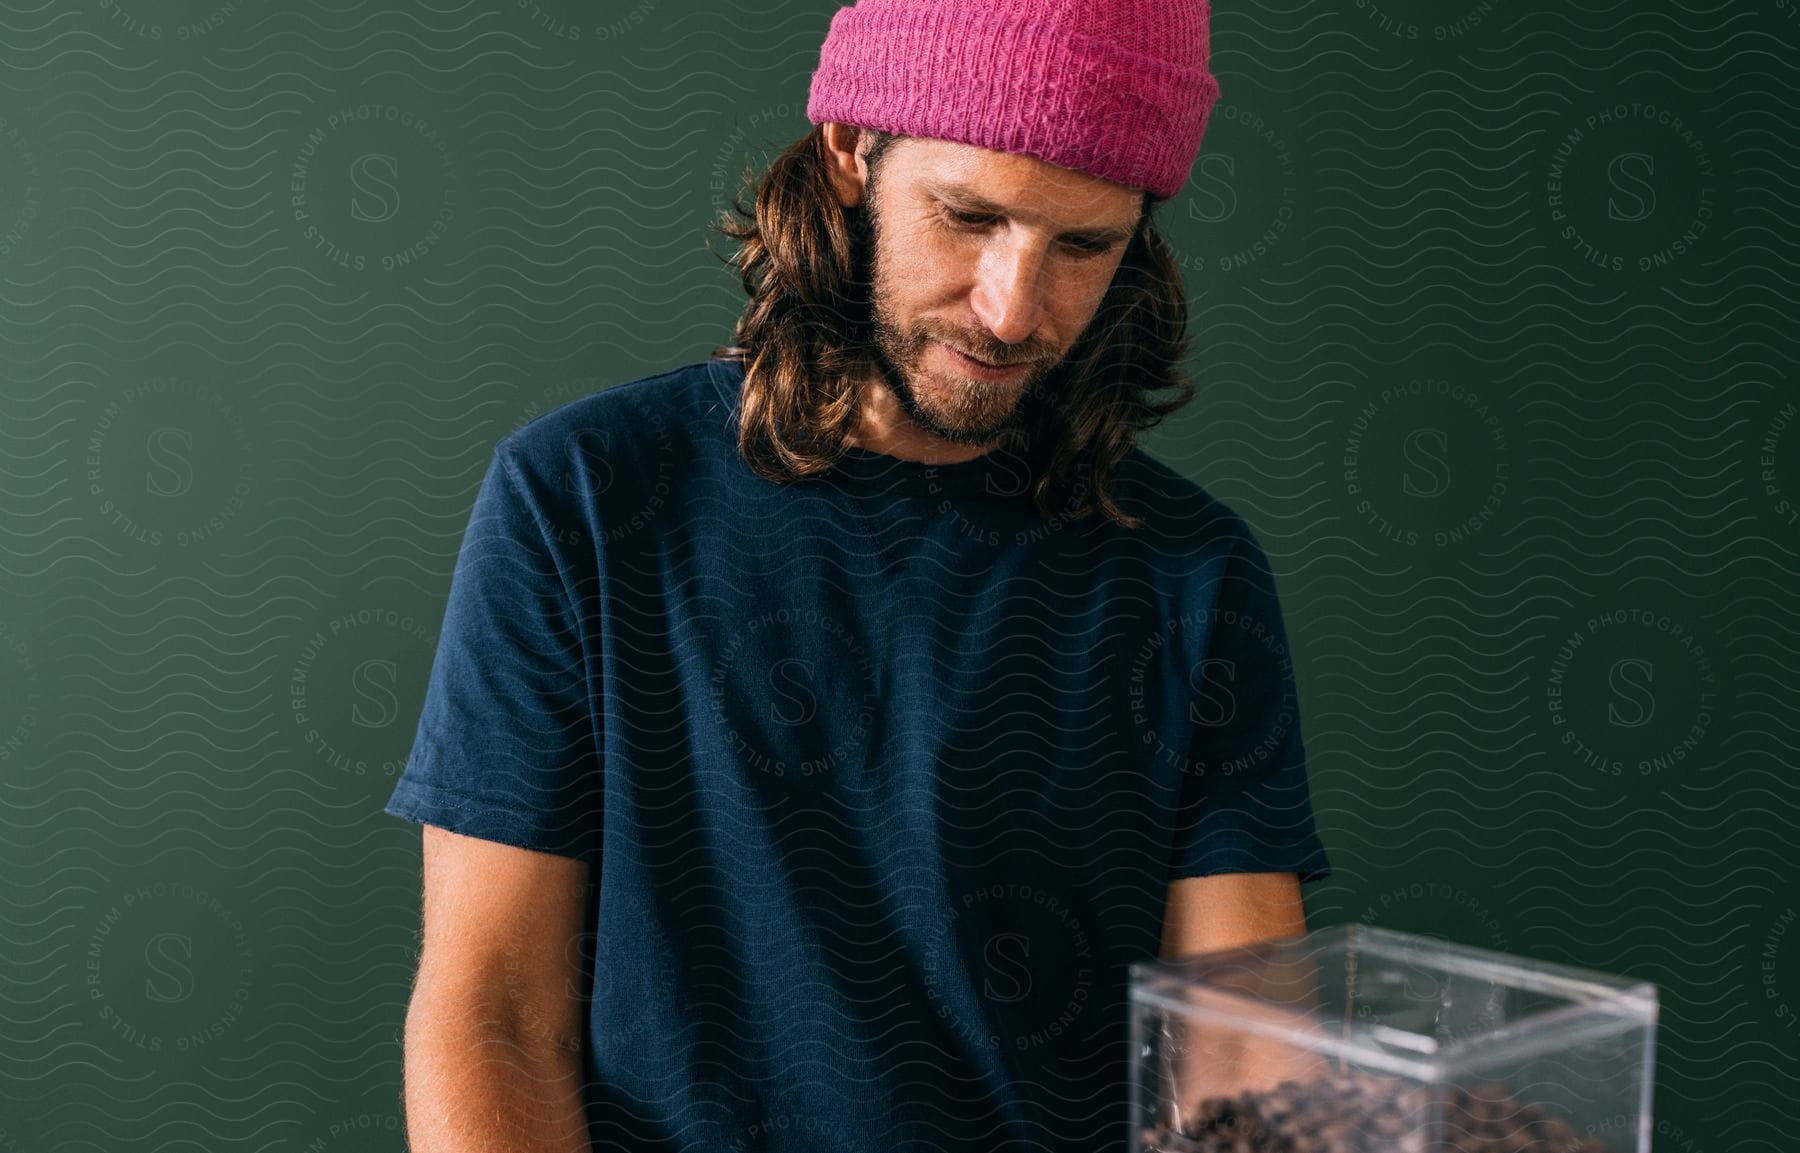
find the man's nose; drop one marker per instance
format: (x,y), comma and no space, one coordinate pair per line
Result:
(1008,295)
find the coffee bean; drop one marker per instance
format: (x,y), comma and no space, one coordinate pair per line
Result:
(1358,1112)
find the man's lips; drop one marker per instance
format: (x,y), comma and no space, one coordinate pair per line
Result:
(982,367)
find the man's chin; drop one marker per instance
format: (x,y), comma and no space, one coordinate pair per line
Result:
(967,438)
(947,428)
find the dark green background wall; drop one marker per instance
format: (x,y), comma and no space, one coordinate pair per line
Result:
(1488,305)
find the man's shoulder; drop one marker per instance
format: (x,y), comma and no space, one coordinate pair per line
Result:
(1180,511)
(659,414)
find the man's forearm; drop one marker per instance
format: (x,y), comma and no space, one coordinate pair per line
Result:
(476,1082)
(1208,1059)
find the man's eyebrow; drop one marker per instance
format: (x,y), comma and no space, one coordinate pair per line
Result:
(967,198)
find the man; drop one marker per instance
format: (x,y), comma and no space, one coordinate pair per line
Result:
(864,689)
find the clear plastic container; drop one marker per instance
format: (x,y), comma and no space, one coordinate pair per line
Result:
(1356,1038)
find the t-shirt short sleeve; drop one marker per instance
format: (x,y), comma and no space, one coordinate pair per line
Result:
(1245,804)
(506,747)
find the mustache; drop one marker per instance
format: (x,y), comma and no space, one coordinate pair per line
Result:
(1001,357)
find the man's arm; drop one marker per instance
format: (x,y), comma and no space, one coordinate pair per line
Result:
(1224,911)
(494,1034)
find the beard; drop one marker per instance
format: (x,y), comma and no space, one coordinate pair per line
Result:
(952,407)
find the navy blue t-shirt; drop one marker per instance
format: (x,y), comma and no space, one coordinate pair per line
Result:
(882,777)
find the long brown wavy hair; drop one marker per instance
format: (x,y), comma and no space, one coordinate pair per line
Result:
(805,341)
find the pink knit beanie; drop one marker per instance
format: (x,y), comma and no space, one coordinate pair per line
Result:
(1116,88)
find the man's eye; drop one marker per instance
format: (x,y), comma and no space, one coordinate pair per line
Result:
(972,218)
(977,220)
